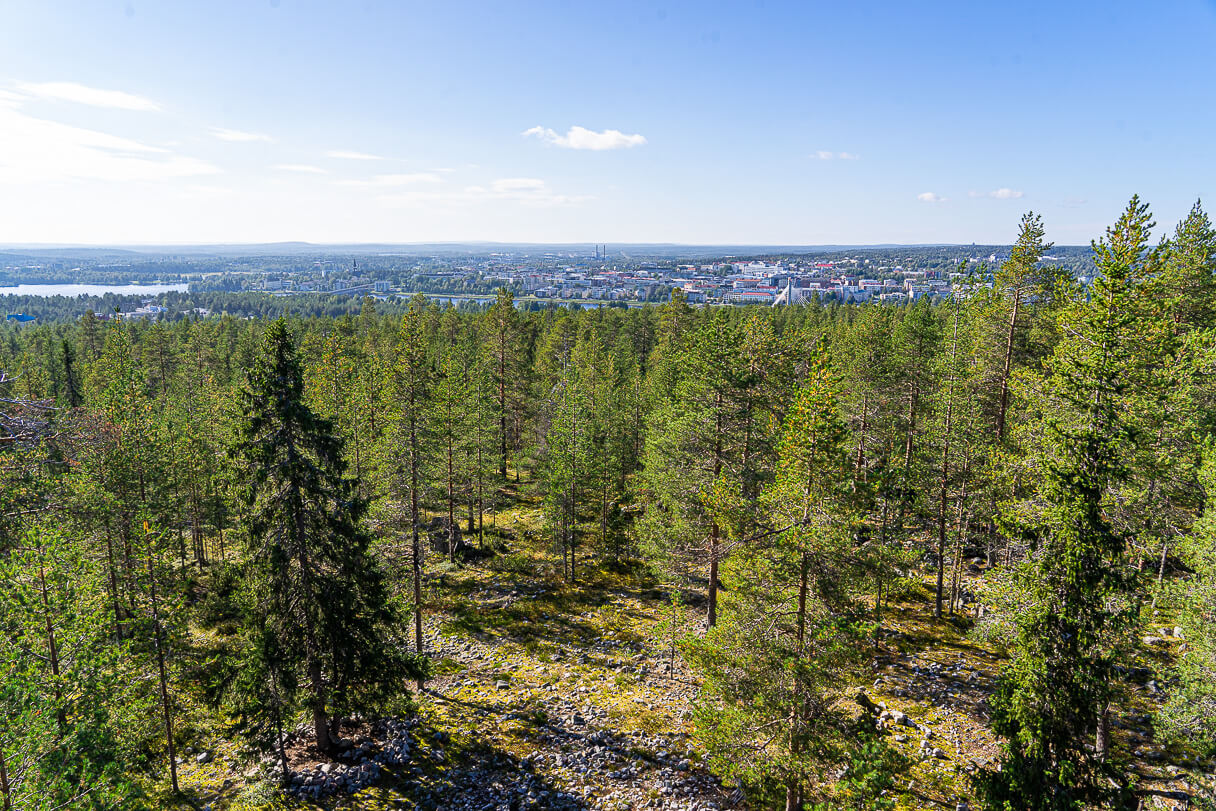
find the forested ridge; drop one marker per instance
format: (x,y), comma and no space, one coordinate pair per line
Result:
(947,554)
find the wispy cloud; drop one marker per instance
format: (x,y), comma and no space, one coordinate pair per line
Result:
(303,168)
(583,138)
(828,155)
(527,191)
(36,150)
(930,197)
(239,136)
(389,181)
(998,194)
(82,94)
(512,185)
(350,155)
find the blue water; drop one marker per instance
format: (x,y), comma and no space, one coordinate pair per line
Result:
(456,300)
(73,290)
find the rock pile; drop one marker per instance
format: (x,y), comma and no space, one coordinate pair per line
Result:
(358,766)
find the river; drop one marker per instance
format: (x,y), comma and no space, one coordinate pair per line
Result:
(73,290)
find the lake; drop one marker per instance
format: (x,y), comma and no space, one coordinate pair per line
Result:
(73,290)
(454,300)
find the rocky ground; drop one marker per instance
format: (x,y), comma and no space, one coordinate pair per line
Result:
(548,696)
(584,705)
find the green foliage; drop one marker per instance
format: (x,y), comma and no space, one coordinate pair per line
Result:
(319,619)
(869,777)
(669,630)
(1190,713)
(1052,426)
(72,708)
(791,631)
(1059,683)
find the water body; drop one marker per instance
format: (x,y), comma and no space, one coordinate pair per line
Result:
(455,300)
(73,290)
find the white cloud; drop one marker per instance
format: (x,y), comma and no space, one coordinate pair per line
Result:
(35,150)
(528,191)
(998,194)
(82,94)
(508,185)
(225,134)
(349,155)
(930,197)
(388,181)
(303,168)
(828,155)
(583,138)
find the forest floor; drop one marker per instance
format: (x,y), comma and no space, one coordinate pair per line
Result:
(547,695)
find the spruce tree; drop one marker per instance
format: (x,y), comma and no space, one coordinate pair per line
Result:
(323,599)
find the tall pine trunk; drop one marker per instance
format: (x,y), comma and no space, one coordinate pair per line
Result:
(502,403)
(1007,366)
(452,527)
(4,788)
(52,646)
(943,492)
(715,532)
(793,788)
(166,709)
(416,541)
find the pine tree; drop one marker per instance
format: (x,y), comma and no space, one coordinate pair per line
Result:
(1057,688)
(451,428)
(1023,280)
(791,628)
(717,432)
(407,446)
(569,365)
(1188,277)
(504,335)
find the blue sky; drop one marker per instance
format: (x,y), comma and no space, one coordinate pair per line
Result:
(694,122)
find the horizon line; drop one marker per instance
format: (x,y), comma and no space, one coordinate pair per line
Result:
(488,242)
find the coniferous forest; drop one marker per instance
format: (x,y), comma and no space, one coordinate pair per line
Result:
(949,554)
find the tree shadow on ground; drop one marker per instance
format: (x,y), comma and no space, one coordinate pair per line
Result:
(469,774)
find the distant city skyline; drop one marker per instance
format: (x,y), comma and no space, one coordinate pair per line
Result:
(767,123)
